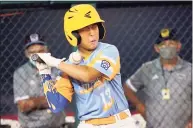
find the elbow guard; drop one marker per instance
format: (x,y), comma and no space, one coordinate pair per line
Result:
(55,100)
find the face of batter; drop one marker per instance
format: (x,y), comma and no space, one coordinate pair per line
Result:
(89,37)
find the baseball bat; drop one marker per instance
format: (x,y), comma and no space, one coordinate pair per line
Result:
(35,57)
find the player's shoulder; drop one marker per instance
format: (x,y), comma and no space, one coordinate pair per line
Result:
(107,48)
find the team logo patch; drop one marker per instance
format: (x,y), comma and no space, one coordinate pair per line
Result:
(165,33)
(105,64)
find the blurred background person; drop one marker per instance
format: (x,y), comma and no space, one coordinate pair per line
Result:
(166,82)
(32,105)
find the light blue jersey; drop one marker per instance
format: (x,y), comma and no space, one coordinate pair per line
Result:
(100,98)
(105,96)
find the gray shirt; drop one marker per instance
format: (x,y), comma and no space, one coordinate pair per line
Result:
(172,113)
(27,84)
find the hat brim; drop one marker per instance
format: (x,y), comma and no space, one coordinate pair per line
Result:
(32,43)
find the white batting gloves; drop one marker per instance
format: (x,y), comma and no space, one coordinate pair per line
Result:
(43,68)
(139,121)
(50,60)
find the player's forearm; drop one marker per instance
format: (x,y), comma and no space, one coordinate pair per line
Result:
(79,72)
(32,103)
(56,101)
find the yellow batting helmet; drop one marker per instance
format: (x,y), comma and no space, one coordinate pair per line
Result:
(78,17)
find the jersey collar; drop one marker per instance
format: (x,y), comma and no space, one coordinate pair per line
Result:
(177,67)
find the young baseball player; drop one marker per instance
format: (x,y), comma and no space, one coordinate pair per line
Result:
(95,81)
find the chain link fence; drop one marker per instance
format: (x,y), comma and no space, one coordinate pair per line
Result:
(132,27)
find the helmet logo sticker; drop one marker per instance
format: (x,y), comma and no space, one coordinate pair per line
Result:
(70,17)
(69,37)
(105,64)
(88,14)
(73,11)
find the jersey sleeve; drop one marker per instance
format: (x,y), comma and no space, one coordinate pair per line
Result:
(61,95)
(64,87)
(107,61)
(135,82)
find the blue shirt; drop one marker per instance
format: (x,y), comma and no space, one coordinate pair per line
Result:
(104,96)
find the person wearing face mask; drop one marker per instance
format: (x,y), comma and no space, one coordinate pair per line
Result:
(28,93)
(166,85)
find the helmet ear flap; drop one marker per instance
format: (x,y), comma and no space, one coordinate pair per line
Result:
(101,30)
(75,33)
(101,33)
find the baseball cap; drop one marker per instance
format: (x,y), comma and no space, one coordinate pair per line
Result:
(34,39)
(166,34)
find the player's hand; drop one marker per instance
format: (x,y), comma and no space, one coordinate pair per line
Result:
(42,68)
(139,121)
(50,60)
